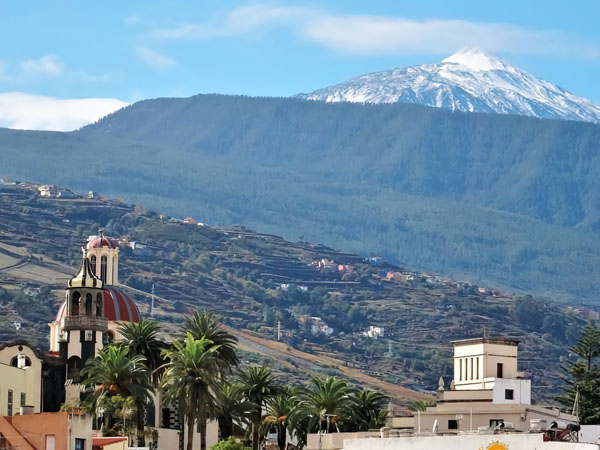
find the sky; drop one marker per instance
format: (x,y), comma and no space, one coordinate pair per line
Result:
(103,55)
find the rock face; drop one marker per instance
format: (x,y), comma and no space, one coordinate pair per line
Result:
(471,80)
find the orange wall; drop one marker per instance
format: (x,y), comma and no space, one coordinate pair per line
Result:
(35,427)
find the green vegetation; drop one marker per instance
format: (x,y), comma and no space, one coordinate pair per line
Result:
(195,368)
(255,281)
(504,200)
(582,380)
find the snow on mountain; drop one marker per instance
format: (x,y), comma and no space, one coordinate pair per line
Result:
(470,80)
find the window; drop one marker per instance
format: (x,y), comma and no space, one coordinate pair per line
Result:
(99,312)
(23,402)
(477,360)
(103,269)
(10,402)
(75,303)
(50,442)
(496,422)
(88,304)
(471,368)
(509,394)
(79,444)
(453,424)
(460,370)
(499,370)
(93,264)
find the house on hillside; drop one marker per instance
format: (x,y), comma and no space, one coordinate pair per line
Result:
(190,221)
(374,332)
(399,277)
(320,328)
(587,313)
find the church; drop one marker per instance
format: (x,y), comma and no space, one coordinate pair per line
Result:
(35,382)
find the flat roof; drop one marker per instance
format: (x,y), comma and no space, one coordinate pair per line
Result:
(486,340)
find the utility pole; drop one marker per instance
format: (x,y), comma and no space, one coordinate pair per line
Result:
(279,330)
(152,302)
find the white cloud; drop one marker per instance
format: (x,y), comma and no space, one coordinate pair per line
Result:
(153,58)
(376,35)
(46,65)
(32,112)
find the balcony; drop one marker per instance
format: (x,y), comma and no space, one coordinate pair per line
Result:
(85,323)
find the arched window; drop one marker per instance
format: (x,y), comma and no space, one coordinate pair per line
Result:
(99,311)
(75,297)
(109,337)
(93,263)
(73,368)
(15,361)
(103,269)
(114,269)
(88,305)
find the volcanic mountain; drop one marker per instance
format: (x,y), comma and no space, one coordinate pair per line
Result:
(471,80)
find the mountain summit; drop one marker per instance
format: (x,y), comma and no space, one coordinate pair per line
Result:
(471,80)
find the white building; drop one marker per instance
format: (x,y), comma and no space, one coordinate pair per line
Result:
(374,332)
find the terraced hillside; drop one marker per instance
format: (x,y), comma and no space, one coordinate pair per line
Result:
(260,283)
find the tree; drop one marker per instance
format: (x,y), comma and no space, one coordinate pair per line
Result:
(115,372)
(259,384)
(279,409)
(419,405)
(192,375)
(229,444)
(231,406)
(367,410)
(142,339)
(582,379)
(327,402)
(205,325)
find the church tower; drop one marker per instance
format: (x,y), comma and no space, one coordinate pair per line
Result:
(94,308)
(83,325)
(103,253)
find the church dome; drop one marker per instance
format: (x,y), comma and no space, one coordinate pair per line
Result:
(118,306)
(101,241)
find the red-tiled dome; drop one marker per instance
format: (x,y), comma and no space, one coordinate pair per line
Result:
(101,241)
(117,306)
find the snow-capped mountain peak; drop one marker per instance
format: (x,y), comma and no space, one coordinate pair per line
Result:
(470,80)
(476,59)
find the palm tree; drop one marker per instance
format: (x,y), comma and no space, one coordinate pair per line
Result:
(367,410)
(279,409)
(142,339)
(419,405)
(231,407)
(192,375)
(115,372)
(204,324)
(327,401)
(258,385)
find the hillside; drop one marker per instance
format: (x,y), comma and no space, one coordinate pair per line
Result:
(257,280)
(502,200)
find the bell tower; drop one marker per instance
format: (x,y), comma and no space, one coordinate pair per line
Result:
(103,254)
(82,325)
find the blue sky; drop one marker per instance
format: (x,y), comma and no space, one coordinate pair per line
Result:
(141,49)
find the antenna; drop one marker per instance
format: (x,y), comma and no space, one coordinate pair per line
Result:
(279,330)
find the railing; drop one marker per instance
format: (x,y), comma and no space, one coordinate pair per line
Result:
(85,323)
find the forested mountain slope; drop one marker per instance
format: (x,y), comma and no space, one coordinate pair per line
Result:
(507,199)
(257,281)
